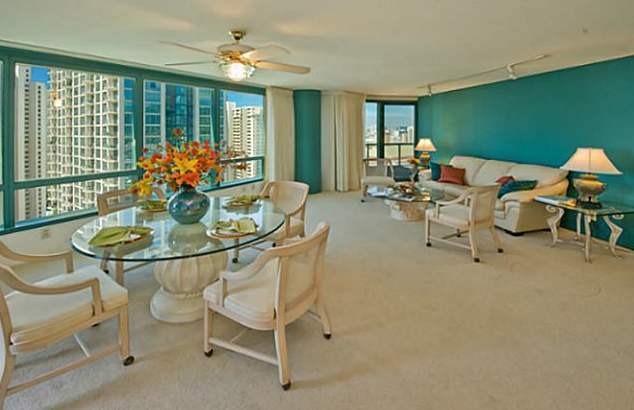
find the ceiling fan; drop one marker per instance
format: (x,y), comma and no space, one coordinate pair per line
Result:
(239,61)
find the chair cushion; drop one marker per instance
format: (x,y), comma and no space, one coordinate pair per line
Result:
(36,316)
(544,176)
(452,175)
(252,298)
(470,164)
(297,227)
(490,172)
(455,215)
(378,180)
(450,190)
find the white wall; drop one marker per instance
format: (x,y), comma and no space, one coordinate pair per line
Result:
(55,238)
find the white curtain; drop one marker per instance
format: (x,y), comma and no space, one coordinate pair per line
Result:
(341,140)
(280,134)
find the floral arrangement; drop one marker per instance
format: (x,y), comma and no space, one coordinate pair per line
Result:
(186,165)
(414,161)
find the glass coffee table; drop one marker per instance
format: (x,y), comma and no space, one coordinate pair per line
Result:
(407,206)
(609,213)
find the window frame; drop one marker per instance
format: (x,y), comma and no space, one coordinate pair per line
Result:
(11,57)
(380,123)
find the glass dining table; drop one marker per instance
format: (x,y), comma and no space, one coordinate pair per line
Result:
(187,257)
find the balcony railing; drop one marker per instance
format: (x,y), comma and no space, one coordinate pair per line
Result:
(398,152)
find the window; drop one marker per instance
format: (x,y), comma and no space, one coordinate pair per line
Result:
(69,123)
(242,133)
(78,127)
(171,106)
(390,130)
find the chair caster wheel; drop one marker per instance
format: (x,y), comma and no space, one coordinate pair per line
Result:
(363,200)
(96,324)
(234,260)
(477,260)
(273,245)
(128,361)
(500,250)
(328,335)
(209,353)
(428,244)
(286,386)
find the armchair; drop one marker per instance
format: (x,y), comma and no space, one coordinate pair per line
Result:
(279,287)
(35,316)
(381,175)
(468,213)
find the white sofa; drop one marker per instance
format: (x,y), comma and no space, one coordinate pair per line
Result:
(515,212)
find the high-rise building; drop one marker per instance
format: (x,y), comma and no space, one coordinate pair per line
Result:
(169,106)
(90,131)
(244,133)
(30,145)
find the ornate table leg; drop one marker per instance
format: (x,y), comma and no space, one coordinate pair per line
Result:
(553,221)
(615,231)
(587,247)
(405,211)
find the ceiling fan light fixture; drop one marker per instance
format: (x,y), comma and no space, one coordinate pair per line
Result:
(236,70)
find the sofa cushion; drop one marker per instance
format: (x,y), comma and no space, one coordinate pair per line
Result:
(490,172)
(435,170)
(452,175)
(450,190)
(470,164)
(543,175)
(514,186)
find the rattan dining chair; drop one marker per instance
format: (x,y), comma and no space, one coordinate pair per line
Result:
(118,200)
(38,315)
(279,287)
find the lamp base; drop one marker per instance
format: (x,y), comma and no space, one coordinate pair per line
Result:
(589,188)
(424,160)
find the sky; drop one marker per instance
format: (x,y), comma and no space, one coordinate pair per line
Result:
(395,115)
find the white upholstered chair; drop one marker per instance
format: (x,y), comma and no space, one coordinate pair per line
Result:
(35,316)
(117,200)
(276,289)
(468,213)
(377,172)
(290,197)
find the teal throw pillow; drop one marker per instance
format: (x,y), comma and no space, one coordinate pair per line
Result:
(513,186)
(435,170)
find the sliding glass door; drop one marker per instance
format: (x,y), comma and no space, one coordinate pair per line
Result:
(390,129)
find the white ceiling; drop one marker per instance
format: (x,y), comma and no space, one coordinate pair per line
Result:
(377,47)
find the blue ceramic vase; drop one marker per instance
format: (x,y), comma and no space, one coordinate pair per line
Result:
(188,206)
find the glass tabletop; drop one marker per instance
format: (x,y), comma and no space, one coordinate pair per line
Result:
(171,240)
(566,202)
(395,194)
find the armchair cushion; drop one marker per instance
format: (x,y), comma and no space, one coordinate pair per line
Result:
(36,316)
(378,180)
(251,298)
(455,215)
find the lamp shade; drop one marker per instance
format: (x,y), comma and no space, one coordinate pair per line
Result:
(591,160)
(425,144)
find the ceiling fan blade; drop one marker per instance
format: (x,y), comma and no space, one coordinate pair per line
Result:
(265,52)
(188,63)
(269,65)
(200,50)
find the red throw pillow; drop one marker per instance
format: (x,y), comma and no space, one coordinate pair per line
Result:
(503,180)
(452,175)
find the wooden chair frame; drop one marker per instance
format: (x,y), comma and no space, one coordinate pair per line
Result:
(105,208)
(468,198)
(11,350)
(284,313)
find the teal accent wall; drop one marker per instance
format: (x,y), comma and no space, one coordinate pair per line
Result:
(542,119)
(307,105)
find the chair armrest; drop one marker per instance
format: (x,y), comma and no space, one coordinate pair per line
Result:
(264,193)
(245,273)
(528,196)
(67,256)
(15,283)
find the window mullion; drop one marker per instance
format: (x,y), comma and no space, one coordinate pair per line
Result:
(8,142)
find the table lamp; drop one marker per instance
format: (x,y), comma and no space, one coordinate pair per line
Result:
(590,161)
(426,146)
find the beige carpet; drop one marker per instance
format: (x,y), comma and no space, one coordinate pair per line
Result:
(413,327)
